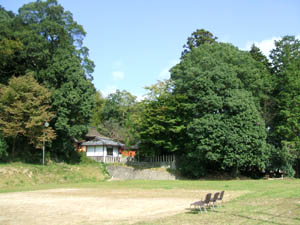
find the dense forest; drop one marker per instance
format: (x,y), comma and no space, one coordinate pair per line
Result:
(222,110)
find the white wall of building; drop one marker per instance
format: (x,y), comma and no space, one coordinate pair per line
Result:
(115,151)
(101,151)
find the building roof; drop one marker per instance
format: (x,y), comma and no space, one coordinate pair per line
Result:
(102,141)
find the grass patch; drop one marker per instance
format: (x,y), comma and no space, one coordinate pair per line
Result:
(17,175)
(266,202)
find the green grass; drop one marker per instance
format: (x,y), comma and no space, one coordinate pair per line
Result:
(263,202)
(21,176)
(266,202)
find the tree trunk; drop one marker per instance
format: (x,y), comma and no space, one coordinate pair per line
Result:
(297,168)
(13,149)
(235,171)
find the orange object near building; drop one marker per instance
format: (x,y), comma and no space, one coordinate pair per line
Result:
(127,153)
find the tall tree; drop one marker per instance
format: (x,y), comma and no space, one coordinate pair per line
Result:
(24,108)
(257,54)
(286,68)
(267,102)
(51,47)
(72,99)
(10,47)
(198,37)
(223,86)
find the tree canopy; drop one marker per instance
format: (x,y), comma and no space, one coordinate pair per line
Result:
(24,108)
(161,127)
(225,126)
(198,37)
(43,38)
(114,116)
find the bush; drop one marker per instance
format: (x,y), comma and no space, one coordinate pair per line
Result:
(289,171)
(85,160)
(190,167)
(282,159)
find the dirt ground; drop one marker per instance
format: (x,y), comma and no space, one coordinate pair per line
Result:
(95,206)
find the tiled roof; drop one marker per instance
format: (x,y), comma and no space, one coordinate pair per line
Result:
(102,141)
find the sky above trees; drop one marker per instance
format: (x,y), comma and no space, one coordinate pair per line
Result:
(134,43)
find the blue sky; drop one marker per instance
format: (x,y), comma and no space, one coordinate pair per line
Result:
(135,42)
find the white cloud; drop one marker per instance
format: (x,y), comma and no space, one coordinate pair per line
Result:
(118,75)
(265,45)
(164,73)
(108,90)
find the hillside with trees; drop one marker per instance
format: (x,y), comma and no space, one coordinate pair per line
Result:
(223,110)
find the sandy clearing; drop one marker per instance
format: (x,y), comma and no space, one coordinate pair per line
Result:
(95,206)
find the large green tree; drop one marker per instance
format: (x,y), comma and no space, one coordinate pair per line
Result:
(43,38)
(224,87)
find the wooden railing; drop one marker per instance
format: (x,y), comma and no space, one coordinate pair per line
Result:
(161,158)
(109,159)
(168,161)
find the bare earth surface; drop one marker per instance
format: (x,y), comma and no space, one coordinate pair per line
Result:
(95,206)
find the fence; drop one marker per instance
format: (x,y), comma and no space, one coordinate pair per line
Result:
(166,161)
(161,158)
(109,159)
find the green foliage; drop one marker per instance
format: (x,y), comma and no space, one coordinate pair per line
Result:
(199,37)
(118,105)
(286,68)
(114,115)
(191,167)
(72,99)
(97,116)
(259,56)
(226,129)
(43,38)
(24,108)
(281,159)
(161,128)
(84,160)
(3,148)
